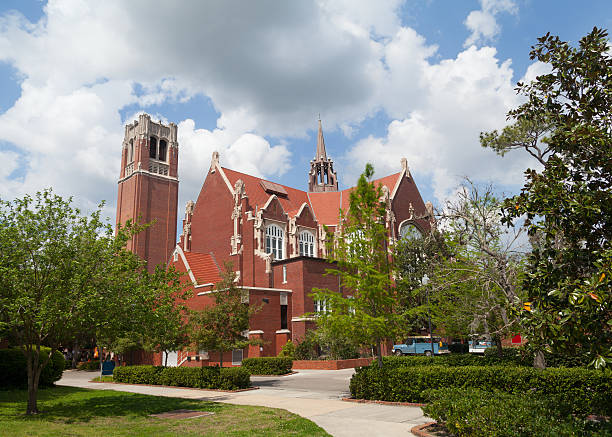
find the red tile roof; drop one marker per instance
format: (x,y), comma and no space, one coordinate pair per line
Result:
(203,267)
(326,206)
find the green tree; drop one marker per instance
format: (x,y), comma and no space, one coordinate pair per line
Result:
(568,202)
(364,266)
(474,282)
(415,256)
(167,325)
(220,327)
(62,274)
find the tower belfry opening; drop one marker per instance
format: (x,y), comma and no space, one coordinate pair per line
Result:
(322,176)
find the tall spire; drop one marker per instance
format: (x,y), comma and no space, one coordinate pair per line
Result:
(322,176)
(321,154)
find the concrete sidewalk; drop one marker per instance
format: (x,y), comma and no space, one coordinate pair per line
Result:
(323,407)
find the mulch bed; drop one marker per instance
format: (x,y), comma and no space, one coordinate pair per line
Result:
(368,401)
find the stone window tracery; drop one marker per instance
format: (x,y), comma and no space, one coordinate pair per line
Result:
(274,241)
(306,240)
(409,231)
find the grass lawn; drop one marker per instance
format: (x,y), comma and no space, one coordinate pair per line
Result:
(69,411)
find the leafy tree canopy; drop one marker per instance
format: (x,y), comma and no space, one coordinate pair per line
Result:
(568,202)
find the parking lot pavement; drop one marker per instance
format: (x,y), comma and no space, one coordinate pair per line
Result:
(313,394)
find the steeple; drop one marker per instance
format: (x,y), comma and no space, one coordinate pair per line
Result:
(322,176)
(321,154)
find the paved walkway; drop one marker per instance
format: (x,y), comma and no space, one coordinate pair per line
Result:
(313,394)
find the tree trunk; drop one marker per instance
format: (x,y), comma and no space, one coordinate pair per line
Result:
(539,362)
(101,360)
(221,359)
(34,368)
(166,360)
(379,354)
(500,350)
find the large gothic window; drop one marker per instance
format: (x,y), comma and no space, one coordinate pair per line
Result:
(306,242)
(409,231)
(274,241)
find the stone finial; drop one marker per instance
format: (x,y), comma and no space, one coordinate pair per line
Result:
(214,163)
(429,208)
(404,162)
(189,207)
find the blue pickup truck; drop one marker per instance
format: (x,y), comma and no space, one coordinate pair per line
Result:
(420,346)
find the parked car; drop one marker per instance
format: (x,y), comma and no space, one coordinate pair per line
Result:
(478,346)
(421,346)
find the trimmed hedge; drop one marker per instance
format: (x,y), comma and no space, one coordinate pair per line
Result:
(231,378)
(268,365)
(510,357)
(89,365)
(14,372)
(480,413)
(448,360)
(588,390)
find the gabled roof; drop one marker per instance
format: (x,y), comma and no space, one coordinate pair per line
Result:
(326,205)
(203,267)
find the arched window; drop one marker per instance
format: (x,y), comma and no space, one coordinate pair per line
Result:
(306,242)
(153,148)
(409,231)
(274,241)
(163,146)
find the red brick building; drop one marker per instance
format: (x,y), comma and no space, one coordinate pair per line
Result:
(272,234)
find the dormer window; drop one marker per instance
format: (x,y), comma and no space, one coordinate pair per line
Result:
(274,241)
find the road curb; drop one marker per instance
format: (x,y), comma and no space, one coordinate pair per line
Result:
(420,430)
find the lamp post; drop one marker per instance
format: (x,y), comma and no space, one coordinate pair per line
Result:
(425,281)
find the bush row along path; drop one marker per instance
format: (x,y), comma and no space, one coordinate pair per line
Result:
(313,394)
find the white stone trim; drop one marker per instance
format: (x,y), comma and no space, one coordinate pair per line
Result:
(146,172)
(403,173)
(257,331)
(283,331)
(215,165)
(208,284)
(282,290)
(303,319)
(186,264)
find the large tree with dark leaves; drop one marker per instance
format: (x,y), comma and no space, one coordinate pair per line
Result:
(566,124)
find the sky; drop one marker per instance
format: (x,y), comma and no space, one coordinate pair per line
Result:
(418,79)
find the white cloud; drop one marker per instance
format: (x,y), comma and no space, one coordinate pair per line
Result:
(439,135)
(268,69)
(482,23)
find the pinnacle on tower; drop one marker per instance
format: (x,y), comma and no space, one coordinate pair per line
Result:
(322,176)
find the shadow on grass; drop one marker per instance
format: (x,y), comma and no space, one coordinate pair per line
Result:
(69,404)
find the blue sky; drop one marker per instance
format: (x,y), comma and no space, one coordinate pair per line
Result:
(391,79)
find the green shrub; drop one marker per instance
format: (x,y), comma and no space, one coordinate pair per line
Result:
(481,413)
(14,373)
(288,350)
(450,360)
(308,348)
(268,365)
(588,390)
(233,378)
(197,377)
(137,374)
(89,365)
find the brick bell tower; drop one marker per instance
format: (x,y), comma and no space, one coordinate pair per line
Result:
(148,187)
